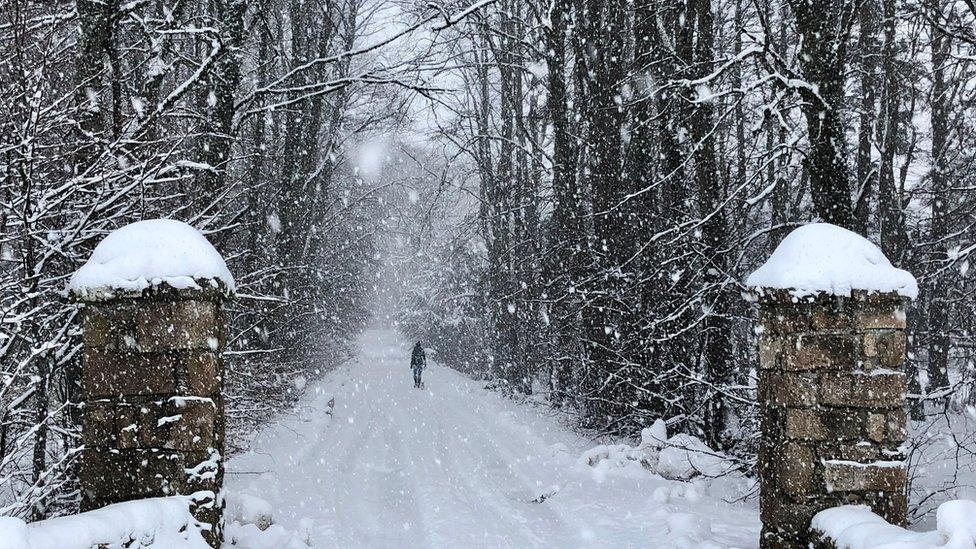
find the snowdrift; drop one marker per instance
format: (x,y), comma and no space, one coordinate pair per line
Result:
(148,254)
(856,527)
(153,523)
(821,258)
(156,523)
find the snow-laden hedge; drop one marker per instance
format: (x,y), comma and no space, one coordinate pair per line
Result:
(856,527)
(157,523)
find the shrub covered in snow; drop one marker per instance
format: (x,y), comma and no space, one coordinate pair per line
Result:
(685,456)
(248,509)
(250,525)
(655,436)
(680,457)
(249,536)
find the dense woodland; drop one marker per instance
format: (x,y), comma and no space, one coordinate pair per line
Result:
(623,165)
(229,115)
(561,197)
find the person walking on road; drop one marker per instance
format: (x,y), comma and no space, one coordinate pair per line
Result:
(418,361)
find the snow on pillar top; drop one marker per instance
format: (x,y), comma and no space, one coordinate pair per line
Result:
(821,258)
(148,255)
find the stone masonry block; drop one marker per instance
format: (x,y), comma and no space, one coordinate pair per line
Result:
(111,477)
(145,425)
(796,468)
(836,389)
(883,390)
(106,325)
(772,423)
(815,351)
(847,476)
(788,389)
(129,428)
(896,425)
(856,451)
(785,319)
(787,519)
(804,424)
(164,326)
(97,328)
(191,427)
(887,347)
(892,506)
(203,373)
(843,424)
(833,315)
(875,427)
(863,390)
(104,478)
(98,424)
(117,372)
(770,350)
(884,315)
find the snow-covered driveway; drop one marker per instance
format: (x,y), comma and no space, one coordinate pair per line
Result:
(456,466)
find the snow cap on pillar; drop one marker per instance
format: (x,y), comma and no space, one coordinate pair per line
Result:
(821,258)
(156,254)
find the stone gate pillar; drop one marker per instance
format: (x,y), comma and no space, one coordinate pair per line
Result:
(832,389)
(153,338)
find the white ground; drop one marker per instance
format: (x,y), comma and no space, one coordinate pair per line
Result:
(457,466)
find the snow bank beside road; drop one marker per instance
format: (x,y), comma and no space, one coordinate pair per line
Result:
(824,258)
(249,536)
(147,254)
(156,523)
(153,523)
(856,527)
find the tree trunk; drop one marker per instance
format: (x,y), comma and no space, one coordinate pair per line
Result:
(603,23)
(717,368)
(566,238)
(95,22)
(825,31)
(938,303)
(223,82)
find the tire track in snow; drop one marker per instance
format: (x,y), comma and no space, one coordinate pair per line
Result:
(463,487)
(369,489)
(556,524)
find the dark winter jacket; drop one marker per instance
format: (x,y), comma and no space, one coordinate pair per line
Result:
(418,360)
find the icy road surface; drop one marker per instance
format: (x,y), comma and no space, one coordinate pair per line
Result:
(457,466)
